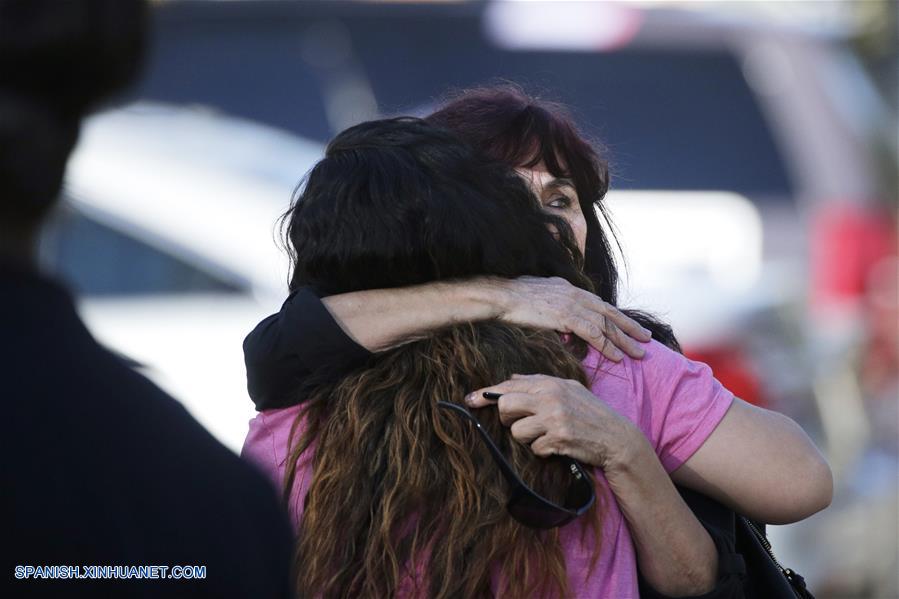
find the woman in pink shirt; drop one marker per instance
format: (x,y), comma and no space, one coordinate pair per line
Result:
(674,402)
(673,405)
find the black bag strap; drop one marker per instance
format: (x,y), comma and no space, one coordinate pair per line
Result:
(753,540)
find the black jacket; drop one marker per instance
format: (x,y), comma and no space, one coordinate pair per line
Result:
(296,348)
(303,345)
(101,467)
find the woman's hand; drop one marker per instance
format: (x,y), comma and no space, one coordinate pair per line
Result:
(554,303)
(558,416)
(675,553)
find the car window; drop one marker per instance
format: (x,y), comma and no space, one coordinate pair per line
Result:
(95,259)
(670,118)
(243,67)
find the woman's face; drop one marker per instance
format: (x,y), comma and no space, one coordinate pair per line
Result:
(557,196)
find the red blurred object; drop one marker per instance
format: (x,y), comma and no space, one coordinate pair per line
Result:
(847,241)
(880,359)
(733,368)
(854,270)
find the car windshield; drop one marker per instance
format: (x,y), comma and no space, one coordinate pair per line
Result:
(670,118)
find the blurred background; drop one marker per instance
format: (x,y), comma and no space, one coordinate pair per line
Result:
(754,156)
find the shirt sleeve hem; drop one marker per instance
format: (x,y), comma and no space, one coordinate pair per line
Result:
(708,422)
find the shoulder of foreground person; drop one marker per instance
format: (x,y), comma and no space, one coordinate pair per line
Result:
(229,492)
(112,470)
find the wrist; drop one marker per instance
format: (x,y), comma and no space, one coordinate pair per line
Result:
(631,448)
(483,298)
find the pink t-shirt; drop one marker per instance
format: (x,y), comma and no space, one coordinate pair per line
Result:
(674,401)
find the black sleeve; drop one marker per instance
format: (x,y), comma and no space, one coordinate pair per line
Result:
(289,350)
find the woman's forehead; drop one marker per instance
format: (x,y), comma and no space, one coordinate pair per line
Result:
(540,178)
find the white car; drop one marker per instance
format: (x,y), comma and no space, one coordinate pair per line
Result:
(166,235)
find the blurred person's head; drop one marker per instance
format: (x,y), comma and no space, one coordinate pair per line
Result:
(58,60)
(541,141)
(396,480)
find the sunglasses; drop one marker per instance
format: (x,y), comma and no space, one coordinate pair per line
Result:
(525,504)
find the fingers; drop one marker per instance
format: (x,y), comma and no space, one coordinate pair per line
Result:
(545,446)
(517,384)
(555,303)
(584,328)
(530,406)
(526,430)
(622,341)
(608,329)
(514,406)
(628,325)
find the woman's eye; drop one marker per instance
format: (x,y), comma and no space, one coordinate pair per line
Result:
(560,202)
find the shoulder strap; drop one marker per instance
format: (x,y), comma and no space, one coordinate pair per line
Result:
(766,576)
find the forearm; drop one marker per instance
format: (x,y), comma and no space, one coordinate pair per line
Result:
(674,552)
(383,318)
(310,335)
(379,319)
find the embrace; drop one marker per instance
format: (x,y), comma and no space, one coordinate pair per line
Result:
(451,372)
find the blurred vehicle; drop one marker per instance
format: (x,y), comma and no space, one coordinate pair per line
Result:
(166,235)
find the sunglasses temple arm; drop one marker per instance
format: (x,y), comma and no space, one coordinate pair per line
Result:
(508,472)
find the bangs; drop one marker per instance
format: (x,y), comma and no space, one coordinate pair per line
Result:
(537,139)
(509,126)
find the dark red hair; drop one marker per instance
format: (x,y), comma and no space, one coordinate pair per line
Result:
(510,126)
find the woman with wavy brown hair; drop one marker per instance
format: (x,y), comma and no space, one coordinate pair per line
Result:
(405,499)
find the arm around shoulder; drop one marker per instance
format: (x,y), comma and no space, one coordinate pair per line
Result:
(380,319)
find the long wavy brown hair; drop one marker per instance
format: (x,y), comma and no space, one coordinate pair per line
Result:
(401,486)
(404,496)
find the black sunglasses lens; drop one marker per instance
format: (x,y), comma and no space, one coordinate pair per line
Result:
(581,493)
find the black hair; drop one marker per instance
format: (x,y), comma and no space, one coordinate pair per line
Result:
(398,202)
